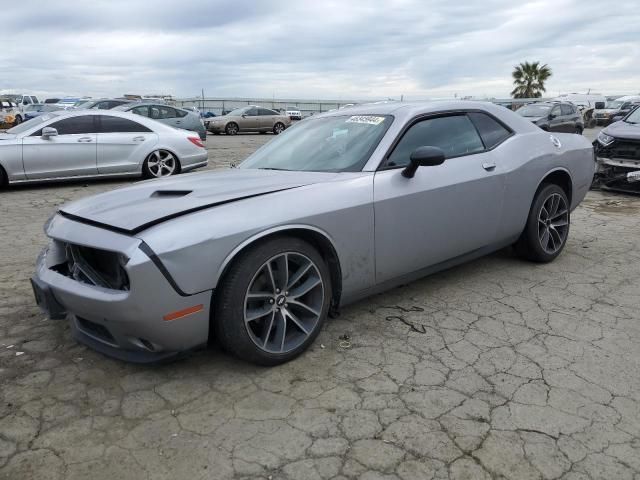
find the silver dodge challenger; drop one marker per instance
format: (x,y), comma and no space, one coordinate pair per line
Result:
(341,206)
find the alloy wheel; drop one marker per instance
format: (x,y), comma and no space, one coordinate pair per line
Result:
(278,128)
(283,302)
(161,163)
(232,129)
(553,223)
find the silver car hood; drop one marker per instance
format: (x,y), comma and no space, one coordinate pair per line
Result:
(623,130)
(132,209)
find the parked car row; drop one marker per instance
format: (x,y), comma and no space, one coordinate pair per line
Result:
(615,110)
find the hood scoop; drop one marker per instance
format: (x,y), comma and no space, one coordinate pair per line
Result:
(170,193)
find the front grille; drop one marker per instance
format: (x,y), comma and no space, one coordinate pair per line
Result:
(620,148)
(95,329)
(93,266)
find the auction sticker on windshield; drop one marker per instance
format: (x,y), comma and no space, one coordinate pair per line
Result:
(368,119)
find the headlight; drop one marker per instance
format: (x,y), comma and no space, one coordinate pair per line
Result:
(48,222)
(605,139)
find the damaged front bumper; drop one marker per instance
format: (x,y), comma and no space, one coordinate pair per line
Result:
(621,175)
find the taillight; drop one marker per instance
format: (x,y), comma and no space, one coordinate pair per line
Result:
(196,141)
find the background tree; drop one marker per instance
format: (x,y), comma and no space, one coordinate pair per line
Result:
(529,79)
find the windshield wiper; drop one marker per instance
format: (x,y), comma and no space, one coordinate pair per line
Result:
(273,168)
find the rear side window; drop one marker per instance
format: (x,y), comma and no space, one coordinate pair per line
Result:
(144,111)
(73,126)
(455,135)
(167,112)
(491,131)
(109,124)
(181,113)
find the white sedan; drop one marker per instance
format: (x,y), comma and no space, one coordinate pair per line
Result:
(67,145)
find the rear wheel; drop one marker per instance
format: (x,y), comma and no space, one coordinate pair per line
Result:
(547,229)
(278,128)
(231,129)
(273,301)
(160,164)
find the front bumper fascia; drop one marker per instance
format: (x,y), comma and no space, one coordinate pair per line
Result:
(125,324)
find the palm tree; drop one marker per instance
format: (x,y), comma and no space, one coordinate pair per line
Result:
(529,79)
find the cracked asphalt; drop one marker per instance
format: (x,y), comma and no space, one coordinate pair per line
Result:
(495,369)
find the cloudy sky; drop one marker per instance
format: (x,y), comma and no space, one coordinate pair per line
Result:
(330,49)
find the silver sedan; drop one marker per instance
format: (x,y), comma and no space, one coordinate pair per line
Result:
(341,206)
(68,145)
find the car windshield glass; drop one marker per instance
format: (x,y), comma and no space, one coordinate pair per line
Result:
(613,104)
(238,111)
(330,144)
(24,126)
(81,105)
(634,117)
(534,110)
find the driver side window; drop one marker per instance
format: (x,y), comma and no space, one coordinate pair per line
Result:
(555,111)
(252,112)
(454,134)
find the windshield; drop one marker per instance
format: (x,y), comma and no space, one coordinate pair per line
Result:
(330,144)
(634,116)
(534,110)
(613,104)
(24,126)
(82,105)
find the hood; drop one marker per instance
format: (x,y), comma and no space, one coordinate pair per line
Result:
(623,130)
(132,209)
(7,136)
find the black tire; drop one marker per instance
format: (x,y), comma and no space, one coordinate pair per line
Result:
(231,128)
(228,322)
(278,128)
(530,245)
(17,121)
(3,178)
(578,130)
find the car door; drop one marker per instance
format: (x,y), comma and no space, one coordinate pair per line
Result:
(122,144)
(250,120)
(444,211)
(556,120)
(70,153)
(266,118)
(568,118)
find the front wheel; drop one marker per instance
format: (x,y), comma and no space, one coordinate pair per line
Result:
(18,120)
(547,228)
(231,129)
(578,130)
(273,301)
(160,164)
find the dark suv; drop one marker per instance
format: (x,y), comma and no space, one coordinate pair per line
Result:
(554,116)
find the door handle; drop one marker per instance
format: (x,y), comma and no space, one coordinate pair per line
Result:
(489,166)
(85,139)
(138,139)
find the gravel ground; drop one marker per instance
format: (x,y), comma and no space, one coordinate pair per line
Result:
(495,369)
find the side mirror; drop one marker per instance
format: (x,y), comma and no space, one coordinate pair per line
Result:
(48,132)
(423,157)
(599,105)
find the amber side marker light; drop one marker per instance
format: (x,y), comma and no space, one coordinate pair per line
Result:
(182,313)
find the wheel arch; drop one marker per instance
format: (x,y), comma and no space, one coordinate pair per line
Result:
(560,177)
(319,239)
